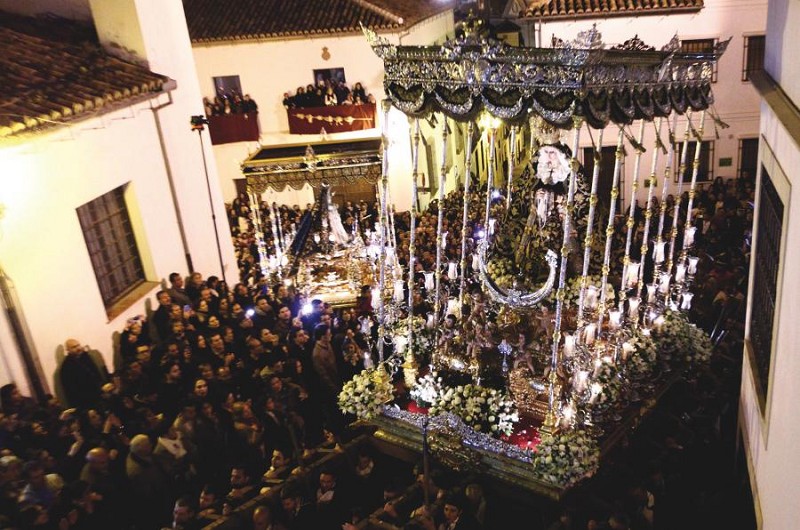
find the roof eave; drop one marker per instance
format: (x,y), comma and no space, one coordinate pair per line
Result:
(615,14)
(26,134)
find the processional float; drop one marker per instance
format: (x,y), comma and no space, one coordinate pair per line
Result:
(618,290)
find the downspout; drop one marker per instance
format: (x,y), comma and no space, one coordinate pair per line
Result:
(169,87)
(21,334)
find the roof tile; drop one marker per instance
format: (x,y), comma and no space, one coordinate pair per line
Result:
(223,20)
(590,8)
(53,70)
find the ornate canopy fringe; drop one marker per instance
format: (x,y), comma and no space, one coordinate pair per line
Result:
(468,74)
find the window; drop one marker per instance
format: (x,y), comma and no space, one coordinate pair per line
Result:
(706,170)
(112,246)
(753,55)
(227,86)
(748,158)
(701,46)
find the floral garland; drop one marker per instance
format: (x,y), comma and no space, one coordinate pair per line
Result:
(366,393)
(681,342)
(567,457)
(483,409)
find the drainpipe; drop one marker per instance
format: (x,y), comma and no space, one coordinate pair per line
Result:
(21,335)
(169,87)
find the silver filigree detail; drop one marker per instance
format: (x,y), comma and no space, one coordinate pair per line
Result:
(634,44)
(513,297)
(591,39)
(673,45)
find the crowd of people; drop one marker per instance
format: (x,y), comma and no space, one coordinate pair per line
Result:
(327,93)
(221,392)
(229,103)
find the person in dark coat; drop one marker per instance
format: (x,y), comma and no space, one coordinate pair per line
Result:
(80,377)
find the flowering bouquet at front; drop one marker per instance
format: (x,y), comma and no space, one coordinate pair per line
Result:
(567,457)
(606,387)
(643,356)
(572,291)
(422,341)
(680,341)
(366,393)
(483,409)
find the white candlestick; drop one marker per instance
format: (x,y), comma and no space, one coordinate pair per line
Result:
(596,389)
(591,297)
(569,345)
(633,275)
(688,237)
(658,251)
(663,287)
(615,319)
(429,283)
(633,307)
(651,292)
(590,333)
(492,222)
(692,268)
(431,323)
(680,272)
(658,322)
(686,301)
(627,349)
(475,262)
(452,307)
(376,296)
(581,379)
(452,270)
(399,294)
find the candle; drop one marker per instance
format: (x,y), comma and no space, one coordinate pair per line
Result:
(658,251)
(316,238)
(633,275)
(651,292)
(597,364)
(399,294)
(627,349)
(633,307)
(658,322)
(400,344)
(615,319)
(591,297)
(475,262)
(569,345)
(686,301)
(376,296)
(688,237)
(680,273)
(452,270)
(692,268)
(429,284)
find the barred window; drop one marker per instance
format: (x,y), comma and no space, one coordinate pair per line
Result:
(701,46)
(112,246)
(753,55)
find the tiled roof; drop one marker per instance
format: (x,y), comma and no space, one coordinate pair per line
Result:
(53,70)
(605,8)
(226,20)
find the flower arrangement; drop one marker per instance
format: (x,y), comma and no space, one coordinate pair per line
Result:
(366,393)
(643,356)
(606,388)
(566,457)
(680,341)
(572,291)
(483,409)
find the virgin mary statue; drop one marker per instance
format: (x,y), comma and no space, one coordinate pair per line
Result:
(329,212)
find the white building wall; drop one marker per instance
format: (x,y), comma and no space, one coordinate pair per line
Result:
(736,101)
(42,247)
(771,441)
